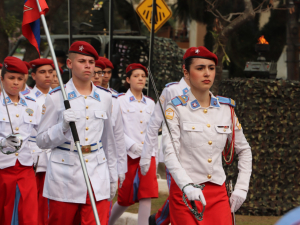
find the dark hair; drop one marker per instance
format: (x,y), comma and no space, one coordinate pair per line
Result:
(126,84)
(3,71)
(187,63)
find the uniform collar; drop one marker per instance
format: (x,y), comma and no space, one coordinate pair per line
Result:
(72,92)
(184,86)
(194,104)
(131,97)
(37,92)
(9,101)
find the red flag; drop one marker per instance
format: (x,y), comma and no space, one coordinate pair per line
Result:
(31,21)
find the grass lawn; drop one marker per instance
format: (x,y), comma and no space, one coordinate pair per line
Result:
(240,220)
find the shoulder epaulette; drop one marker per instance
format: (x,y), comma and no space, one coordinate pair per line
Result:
(227,101)
(115,91)
(171,83)
(149,97)
(180,100)
(121,94)
(29,98)
(25,92)
(114,96)
(104,89)
(54,90)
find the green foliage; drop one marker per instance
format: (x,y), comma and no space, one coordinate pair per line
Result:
(10,25)
(269,113)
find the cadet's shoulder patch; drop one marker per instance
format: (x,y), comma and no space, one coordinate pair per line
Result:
(104,89)
(121,94)
(169,113)
(149,97)
(29,98)
(54,90)
(227,101)
(171,83)
(180,100)
(25,92)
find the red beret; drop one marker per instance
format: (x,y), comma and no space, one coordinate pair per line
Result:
(27,64)
(200,52)
(0,65)
(83,48)
(13,64)
(40,62)
(99,63)
(60,69)
(107,62)
(135,66)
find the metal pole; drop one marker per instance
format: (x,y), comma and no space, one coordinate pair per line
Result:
(151,41)
(70,29)
(72,124)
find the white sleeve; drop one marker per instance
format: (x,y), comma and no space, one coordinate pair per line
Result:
(50,134)
(172,161)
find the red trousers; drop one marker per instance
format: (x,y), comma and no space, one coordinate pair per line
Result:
(64,213)
(42,201)
(18,199)
(217,209)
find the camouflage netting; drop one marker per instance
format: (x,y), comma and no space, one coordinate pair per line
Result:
(167,59)
(269,112)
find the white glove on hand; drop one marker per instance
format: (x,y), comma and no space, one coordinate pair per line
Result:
(145,165)
(136,149)
(113,189)
(11,141)
(68,116)
(194,194)
(237,199)
(121,179)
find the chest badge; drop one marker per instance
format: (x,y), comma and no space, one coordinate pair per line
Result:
(29,111)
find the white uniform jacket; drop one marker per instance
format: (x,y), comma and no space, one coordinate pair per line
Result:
(64,177)
(200,135)
(24,118)
(119,135)
(40,98)
(136,115)
(170,91)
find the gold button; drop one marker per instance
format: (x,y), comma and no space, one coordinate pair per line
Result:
(141,132)
(210,142)
(193,128)
(205,110)
(224,130)
(3,118)
(139,101)
(17,154)
(102,115)
(208,125)
(30,121)
(141,111)
(62,160)
(87,117)
(141,121)
(85,97)
(208,176)
(86,107)
(86,160)
(209,160)
(142,142)
(17,128)
(15,104)
(86,139)
(17,115)
(86,128)
(103,158)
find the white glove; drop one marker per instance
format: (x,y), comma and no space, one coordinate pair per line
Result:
(11,141)
(136,149)
(113,189)
(145,165)
(68,116)
(121,179)
(237,199)
(194,194)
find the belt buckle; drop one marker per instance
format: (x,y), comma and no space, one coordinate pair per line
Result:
(86,149)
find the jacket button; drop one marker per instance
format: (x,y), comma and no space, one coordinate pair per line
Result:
(17,128)
(17,115)
(86,128)
(17,154)
(210,142)
(86,107)
(30,121)
(193,128)
(205,110)
(141,132)
(85,97)
(141,111)
(3,118)
(62,160)
(142,142)
(87,117)
(103,158)
(209,160)
(208,176)
(15,104)
(86,139)
(208,125)
(86,160)
(141,121)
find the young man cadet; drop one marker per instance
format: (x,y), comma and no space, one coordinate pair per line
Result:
(26,89)
(91,111)
(107,72)
(42,73)
(18,195)
(170,91)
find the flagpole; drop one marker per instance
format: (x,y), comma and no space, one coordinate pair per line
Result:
(72,124)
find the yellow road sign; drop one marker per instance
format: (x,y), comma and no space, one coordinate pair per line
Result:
(163,13)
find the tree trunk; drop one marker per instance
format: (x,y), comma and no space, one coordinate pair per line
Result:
(3,36)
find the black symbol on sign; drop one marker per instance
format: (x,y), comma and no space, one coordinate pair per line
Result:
(159,15)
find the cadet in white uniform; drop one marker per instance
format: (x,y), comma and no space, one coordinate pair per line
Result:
(200,125)
(91,111)
(136,111)
(18,195)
